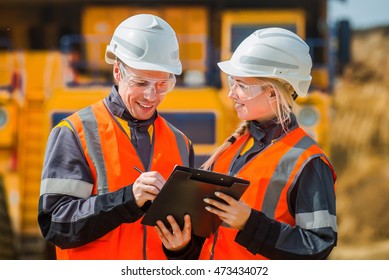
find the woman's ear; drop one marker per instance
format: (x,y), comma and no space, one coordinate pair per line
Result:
(272,95)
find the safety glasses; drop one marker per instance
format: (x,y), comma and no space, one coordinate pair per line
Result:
(244,91)
(145,85)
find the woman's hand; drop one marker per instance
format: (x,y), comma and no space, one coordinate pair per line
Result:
(174,239)
(233,212)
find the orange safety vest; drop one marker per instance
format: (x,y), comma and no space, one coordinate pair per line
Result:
(271,174)
(112,169)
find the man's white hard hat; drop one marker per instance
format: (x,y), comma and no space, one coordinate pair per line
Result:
(145,42)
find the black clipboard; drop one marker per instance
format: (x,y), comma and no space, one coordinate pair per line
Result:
(183,193)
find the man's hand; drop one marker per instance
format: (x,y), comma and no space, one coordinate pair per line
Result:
(147,186)
(174,239)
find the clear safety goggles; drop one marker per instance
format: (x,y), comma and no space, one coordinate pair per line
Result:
(146,85)
(244,91)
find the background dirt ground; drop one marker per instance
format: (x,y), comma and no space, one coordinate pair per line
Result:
(360,149)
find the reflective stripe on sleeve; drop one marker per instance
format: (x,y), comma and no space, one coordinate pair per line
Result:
(316,220)
(71,187)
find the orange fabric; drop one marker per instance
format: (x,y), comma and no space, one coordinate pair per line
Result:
(259,171)
(126,241)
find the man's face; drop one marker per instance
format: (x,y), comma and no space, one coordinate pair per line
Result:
(142,90)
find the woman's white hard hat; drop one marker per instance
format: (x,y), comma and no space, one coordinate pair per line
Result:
(272,53)
(145,42)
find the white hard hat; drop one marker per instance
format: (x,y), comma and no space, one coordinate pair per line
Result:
(274,53)
(145,42)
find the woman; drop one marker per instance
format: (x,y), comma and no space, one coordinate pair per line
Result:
(288,211)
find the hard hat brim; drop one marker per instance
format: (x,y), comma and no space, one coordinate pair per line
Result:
(153,67)
(228,68)
(176,70)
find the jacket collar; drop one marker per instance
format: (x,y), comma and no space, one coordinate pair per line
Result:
(119,109)
(268,131)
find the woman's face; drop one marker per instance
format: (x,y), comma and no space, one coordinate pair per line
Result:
(260,104)
(140,92)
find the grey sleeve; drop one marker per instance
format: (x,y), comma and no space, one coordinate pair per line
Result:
(68,215)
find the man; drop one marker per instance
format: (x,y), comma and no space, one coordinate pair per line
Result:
(105,163)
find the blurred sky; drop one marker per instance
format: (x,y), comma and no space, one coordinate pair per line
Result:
(362,14)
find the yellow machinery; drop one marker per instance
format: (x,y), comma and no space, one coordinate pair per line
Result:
(9,185)
(39,88)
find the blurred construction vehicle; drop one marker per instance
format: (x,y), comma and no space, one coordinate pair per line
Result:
(40,85)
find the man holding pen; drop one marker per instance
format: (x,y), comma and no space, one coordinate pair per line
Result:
(92,193)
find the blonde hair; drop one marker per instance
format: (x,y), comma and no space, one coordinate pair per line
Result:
(284,95)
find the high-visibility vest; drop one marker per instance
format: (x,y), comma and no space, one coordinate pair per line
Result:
(111,158)
(271,173)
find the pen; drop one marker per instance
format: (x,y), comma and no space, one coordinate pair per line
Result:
(137,169)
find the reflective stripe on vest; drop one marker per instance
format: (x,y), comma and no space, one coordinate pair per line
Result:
(100,136)
(281,175)
(182,144)
(89,125)
(272,173)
